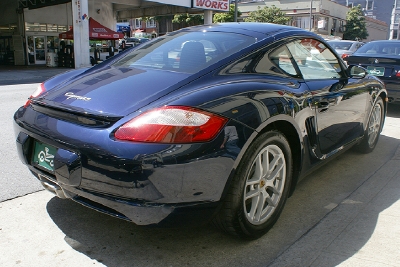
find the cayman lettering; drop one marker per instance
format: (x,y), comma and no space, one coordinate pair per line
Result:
(70,95)
(212,4)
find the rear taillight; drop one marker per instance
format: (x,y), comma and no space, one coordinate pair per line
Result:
(172,125)
(345,55)
(39,90)
(398,73)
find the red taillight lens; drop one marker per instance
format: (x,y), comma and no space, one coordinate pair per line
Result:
(398,73)
(345,55)
(39,90)
(172,125)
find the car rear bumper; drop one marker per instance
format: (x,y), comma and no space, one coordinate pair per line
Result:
(120,179)
(140,213)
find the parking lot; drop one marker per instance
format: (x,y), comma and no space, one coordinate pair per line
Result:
(344,214)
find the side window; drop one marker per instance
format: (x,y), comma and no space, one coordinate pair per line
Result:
(278,62)
(314,59)
(280,58)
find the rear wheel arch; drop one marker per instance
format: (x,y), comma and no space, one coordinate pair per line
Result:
(293,137)
(275,138)
(286,126)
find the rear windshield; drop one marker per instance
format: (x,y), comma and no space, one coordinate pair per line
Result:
(185,51)
(380,48)
(341,45)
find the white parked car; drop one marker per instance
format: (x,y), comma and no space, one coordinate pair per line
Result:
(345,48)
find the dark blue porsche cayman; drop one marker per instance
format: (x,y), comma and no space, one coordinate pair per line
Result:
(209,123)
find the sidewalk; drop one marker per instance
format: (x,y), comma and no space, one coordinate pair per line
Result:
(363,230)
(27,74)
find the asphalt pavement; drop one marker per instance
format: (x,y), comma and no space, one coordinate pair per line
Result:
(362,229)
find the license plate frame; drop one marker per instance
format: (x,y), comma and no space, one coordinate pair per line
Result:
(376,71)
(43,155)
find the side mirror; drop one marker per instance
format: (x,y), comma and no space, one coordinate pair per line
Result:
(356,72)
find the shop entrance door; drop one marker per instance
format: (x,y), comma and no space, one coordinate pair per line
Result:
(40,50)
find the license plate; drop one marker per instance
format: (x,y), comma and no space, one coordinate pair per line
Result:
(43,155)
(377,71)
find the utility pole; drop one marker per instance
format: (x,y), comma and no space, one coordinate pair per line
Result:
(310,15)
(236,11)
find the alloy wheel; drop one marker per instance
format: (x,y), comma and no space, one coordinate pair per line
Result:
(265,184)
(374,124)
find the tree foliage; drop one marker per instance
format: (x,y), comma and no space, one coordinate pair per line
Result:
(271,14)
(188,19)
(226,16)
(356,27)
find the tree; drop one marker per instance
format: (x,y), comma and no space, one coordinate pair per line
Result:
(271,14)
(356,27)
(188,19)
(226,16)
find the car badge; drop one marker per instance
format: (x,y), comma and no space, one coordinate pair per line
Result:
(72,95)
(376,61)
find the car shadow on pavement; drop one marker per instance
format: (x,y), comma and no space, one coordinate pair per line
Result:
(334,212)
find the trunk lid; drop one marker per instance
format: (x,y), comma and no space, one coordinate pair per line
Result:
(113,92)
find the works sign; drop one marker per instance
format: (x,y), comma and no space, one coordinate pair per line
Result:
(220,5)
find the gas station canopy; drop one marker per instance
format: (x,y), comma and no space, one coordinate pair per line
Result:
(96,32)
(144,8)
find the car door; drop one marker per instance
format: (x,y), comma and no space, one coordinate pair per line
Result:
(339,102)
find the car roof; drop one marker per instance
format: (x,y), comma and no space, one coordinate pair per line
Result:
(254,29)
(385,41)
(347,41)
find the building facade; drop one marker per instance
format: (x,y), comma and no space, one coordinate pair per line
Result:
(324,17)
(375,9)
(395,21)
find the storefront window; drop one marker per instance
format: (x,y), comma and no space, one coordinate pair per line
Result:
(35,27)
(31,50)
(138,23)
(6,54)
(303,22)
(53,44)
(42,27)
(62,28)
(52,28)
(150,23)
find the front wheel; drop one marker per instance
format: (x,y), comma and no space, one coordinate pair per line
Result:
(375,124)
(259,189)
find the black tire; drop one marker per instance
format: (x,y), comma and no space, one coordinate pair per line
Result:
(373,129)
(241,214)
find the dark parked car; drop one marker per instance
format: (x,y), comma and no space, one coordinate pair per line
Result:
(345,48)
(382,59)
(215,122)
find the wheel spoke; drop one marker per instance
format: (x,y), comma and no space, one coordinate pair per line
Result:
(261,202)
(265,160)
(254,205)
(273,163)
(259,169)
(278,167)
(274,187)
(252,193)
